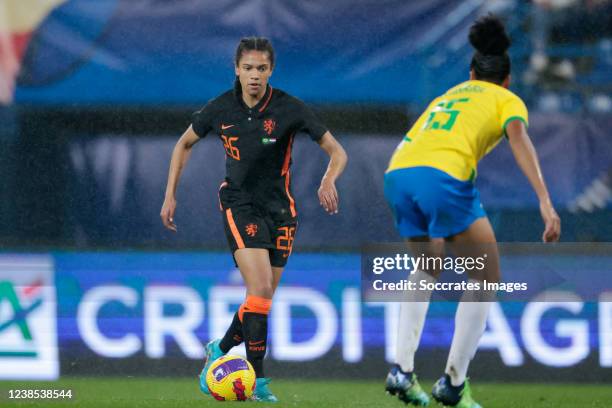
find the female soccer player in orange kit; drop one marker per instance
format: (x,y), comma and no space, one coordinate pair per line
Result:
(257,125)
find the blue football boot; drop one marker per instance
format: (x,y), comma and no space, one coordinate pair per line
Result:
(213,352)
(262,393)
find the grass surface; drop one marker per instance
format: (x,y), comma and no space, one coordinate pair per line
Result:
(181,392)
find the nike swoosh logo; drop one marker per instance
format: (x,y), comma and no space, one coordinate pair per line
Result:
(223,127)
(254,343)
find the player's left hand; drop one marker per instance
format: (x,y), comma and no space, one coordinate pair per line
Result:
(552,222)
(328,196)
(167,213)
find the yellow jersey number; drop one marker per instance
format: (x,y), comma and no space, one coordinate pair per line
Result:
(435,122)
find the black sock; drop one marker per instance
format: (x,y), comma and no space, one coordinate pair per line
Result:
(406,373)
(456,389)
(255,329)
(233,335)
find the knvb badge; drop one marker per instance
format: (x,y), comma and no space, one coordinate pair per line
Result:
(28,336)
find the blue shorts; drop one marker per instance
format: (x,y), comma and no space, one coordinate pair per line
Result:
(428,202)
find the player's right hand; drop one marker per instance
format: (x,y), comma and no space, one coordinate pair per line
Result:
(167,213)
(328,196)
(552,222)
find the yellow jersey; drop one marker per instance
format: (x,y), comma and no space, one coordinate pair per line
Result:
(459,128)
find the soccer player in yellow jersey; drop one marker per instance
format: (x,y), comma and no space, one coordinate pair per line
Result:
(429,186)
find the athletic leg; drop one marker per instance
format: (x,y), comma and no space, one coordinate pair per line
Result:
(410,222)
(250,323)
(472,312)
(414,308)
(253,322)
(471,315)
(233,336)
(254,265)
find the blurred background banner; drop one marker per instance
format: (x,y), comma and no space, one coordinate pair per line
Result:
(116,182)
(149,314)
(120,51)
(177,52)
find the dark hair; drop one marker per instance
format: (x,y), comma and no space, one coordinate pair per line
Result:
(252,44)
(490,61)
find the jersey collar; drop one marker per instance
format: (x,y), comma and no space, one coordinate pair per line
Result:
(261,105)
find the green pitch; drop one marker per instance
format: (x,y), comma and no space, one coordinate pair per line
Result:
(184,393)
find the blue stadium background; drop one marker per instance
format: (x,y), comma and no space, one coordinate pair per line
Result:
(104,90)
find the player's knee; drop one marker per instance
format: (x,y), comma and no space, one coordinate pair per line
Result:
(263,289)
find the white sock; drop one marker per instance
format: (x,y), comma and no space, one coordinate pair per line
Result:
(411,321)
(470,323)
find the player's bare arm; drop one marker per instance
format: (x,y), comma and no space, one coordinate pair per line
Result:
(180,156)
(328,195)
(527,159)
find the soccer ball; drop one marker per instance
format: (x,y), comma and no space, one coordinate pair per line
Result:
(231,378)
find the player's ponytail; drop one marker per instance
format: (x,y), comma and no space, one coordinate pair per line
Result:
(252,44)
(490,61)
